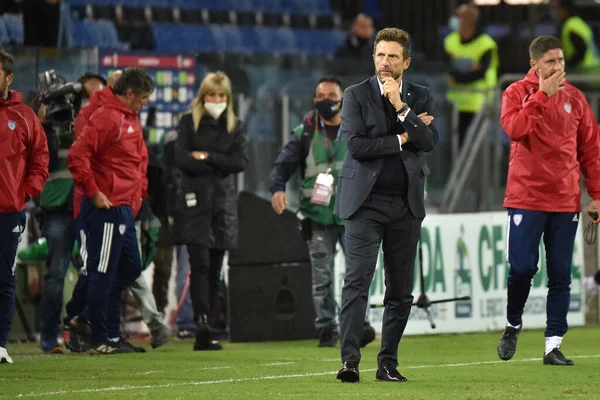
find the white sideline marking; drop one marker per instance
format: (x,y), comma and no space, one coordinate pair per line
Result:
(264,378)
(197,369)
(274,364)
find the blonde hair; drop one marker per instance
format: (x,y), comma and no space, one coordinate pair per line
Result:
(213,82)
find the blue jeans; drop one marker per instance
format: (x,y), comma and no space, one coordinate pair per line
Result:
(322,251)
(59,230)
(185,315)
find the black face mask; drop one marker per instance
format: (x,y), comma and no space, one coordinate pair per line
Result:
(328,108)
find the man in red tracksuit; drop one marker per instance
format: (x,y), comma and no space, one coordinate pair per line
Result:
(553,137)
(23,172)
(108,161)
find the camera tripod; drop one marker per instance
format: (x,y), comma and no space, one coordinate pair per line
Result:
(423,301)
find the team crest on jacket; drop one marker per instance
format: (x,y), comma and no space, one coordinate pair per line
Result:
(517,218)
(568,107)
(12,125)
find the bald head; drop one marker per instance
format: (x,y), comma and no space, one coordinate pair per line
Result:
(468,13)
(468,16)
(112,80)
(362,27)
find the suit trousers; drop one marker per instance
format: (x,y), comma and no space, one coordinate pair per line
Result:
(379,219)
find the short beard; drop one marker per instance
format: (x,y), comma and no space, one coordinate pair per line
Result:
(396,77)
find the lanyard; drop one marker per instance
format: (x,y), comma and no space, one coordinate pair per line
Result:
(330,155)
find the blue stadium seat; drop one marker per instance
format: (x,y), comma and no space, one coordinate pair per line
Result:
(319,41)
(93,32)
(309,7)
(284,40)
(4,36)
(233,42)
(14,25)
(166,37)
(250,39)
(80,35)
(172,38)
(301,87)
(108,34)
(498,31)
(276,40)
(273,6)
(538,30)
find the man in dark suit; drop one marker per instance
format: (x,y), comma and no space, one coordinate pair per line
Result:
(387,123)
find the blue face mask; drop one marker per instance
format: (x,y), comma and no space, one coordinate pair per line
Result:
(453,23)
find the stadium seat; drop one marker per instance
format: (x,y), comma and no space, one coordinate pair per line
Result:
(4,36)
(14,25)
(80,35)
(538,30)
(276,40)
(301,87)
(498,31)
(108,34)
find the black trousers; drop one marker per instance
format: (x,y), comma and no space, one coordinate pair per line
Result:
(464,121)
(205,269)
(163,260)
(379,219)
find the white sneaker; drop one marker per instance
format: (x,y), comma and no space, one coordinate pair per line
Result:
(591,287)
(4,357)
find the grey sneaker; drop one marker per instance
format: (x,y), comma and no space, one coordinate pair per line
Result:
(160,336)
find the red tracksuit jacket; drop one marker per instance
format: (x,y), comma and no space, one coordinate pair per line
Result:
(110,154)
(552,140)
(83,117)
(23,154)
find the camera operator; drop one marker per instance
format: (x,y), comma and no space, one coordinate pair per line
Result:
(57,205)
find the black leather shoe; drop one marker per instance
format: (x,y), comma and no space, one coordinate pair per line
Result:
(328,338)
(368,335)
(555,357)
(508,343)
(203,339)
(389,373)
(349,372)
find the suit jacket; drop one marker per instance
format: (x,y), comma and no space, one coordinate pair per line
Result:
(366,130)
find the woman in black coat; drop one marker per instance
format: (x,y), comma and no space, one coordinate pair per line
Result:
(209,151)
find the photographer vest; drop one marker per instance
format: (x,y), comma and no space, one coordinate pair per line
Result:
(470,97)
(57,194)
(319,154)
(591,59)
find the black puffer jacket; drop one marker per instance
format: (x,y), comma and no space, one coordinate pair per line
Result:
(205,209)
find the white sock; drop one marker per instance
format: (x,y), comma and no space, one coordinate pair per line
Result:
(114,340)
(513,326)
(553,342)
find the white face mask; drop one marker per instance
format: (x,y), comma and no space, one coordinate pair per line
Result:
(215,109)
